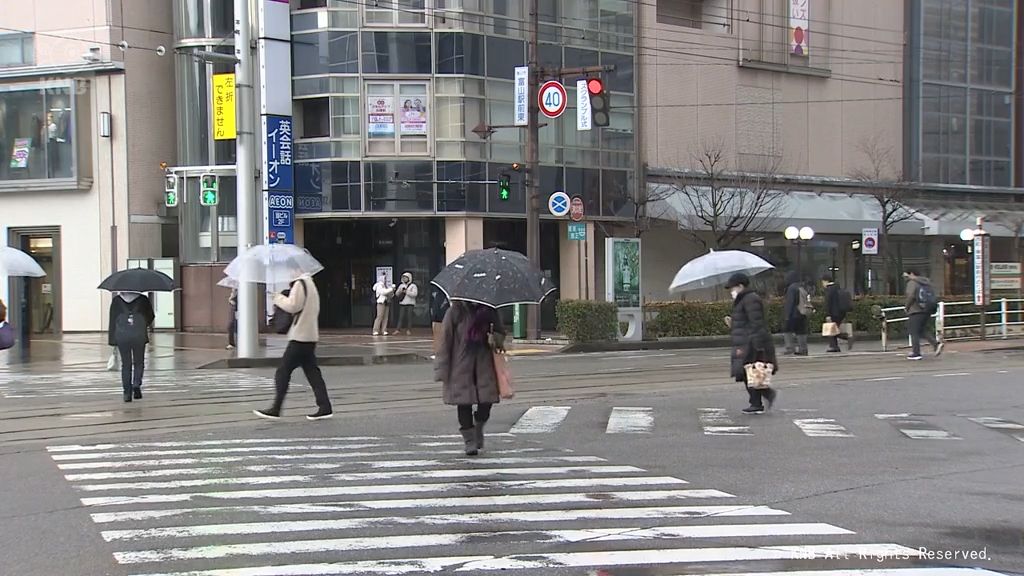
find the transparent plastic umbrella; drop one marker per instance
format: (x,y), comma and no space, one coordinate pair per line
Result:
(276,265)
(228,282)
(14,262)
(715,268)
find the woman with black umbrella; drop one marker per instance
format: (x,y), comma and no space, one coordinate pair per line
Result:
(751,343)
(131,315)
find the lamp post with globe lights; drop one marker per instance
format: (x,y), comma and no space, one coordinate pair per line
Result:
(799,237)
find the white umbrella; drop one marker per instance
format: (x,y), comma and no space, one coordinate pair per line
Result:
(228,282)
(276,265)
(715,268)
(14,262)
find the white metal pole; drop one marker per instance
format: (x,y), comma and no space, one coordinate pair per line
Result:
(248,337)
(1005,317)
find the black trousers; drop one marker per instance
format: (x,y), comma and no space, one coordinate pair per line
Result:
(300,355)
(757,396)
(483,414)
(133,363)
(232,329)
(405,317)
(918,326)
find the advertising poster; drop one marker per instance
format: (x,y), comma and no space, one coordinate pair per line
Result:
(626,272)
(799,20)
(381,115)
(414,116)
(387,271)
(19,155)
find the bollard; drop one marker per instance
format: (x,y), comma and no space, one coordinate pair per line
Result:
(940,322)
(1004,311)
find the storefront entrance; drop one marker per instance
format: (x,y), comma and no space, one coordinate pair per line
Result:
(35,306)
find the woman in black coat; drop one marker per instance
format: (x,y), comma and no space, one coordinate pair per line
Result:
(751,340)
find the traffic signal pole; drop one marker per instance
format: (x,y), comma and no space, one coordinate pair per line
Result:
(533,163)
(245,168)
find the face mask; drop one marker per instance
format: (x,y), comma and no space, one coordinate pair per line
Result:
(735,292)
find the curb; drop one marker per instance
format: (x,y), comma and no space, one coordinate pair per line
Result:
(678,344)
(372,360)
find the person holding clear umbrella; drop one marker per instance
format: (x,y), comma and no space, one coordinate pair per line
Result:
(753,352)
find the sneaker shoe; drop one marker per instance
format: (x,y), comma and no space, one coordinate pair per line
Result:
(229,347)
(321,414)
(376,333)
(939,348)
(137,393)
(834,350)
(268,414)
(915,357)
(802,353)
(386,333)
(754,410)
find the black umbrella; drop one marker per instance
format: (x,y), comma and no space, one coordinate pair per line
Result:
(138,280)
(494,278)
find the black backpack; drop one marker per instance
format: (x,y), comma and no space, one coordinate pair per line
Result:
(130,329)
(280,321)
(927,299)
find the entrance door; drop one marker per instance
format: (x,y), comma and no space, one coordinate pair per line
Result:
(35,302)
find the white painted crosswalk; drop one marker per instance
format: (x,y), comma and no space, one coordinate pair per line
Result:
(418,506)
(75,385)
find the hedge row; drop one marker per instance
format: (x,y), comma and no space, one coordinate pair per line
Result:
(587,321)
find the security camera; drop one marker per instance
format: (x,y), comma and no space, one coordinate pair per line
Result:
(160,50)
(93,55)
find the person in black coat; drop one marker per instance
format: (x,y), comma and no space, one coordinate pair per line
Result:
(835,311)
(751,340)
(127,311)
(794,317)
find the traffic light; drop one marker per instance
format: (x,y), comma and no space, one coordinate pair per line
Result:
(209,186)
(599,102)
(170,190)
(504,187)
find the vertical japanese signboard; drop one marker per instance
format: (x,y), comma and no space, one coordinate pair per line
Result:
(224,107)
(522,98)
(799,22)
(982,270)
(278,178)
(273,48)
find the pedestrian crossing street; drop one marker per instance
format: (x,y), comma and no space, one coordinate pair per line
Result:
(539,420)
(416,505)
(156,382)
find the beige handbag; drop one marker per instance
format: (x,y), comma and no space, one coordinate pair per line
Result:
(829,329)
(759,374)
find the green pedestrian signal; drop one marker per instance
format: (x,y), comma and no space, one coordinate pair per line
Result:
(209,194)
(170,190)
(504,187)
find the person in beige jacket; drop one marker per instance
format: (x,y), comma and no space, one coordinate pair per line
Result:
(303,302)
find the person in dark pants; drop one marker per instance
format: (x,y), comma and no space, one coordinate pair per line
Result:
(796,308)
(835,311)
(233,322)
(303,302)
(131,316)
(751,340)
(919,314)
(439,305)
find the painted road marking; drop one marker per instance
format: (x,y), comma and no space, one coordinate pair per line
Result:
(951,375)
(630,421)
(887,379)
(915,428)
(1001,425)
(540,419)
(716,422)
(822,428)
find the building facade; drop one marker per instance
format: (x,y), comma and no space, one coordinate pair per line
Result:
(86,112)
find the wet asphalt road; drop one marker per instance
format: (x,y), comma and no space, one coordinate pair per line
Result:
(921,455)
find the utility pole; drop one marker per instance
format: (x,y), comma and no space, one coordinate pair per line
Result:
(533,163)
(245,172)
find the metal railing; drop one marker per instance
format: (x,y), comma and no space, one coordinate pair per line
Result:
(962,320)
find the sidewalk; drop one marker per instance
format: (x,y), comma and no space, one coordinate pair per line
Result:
(184,351)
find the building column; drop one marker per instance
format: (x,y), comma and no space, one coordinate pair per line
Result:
(578,279)
(461,236)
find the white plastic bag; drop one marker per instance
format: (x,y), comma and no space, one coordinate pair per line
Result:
(113,361)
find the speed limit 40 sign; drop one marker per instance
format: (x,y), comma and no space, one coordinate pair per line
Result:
(552,98)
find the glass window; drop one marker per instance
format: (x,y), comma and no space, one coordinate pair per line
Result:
(503,55)
(398,118)
(461,187)
(346,186)
(400,186)
(397,12)
(310,54)
(585,182)
(17,50)
(509,17)
(396,53)
(37,134)
(316,117)
(459,53)
(621,78)
(344,52)
(222,18)
(345,117)
(616,198)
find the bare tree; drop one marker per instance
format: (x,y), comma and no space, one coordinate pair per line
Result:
(649,207)
(883,181)
(723,206)
(1014,221)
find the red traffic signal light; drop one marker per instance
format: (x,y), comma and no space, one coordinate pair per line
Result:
(595,86)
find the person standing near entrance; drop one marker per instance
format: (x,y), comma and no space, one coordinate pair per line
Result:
(838,303)
(921,303)
(382,293)
(131,316)
(303,303)
(406,298)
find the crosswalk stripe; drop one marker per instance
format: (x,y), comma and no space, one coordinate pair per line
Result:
(630,421)
(540,419)
(93,476)
(716,422)
(997,423)
(933,571)
(246,441)
(915,428)
(108,464)
(822,428)
(665,512)
(463,473)
(382,489)
(458,502)
(505,537)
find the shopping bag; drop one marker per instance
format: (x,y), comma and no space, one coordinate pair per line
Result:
(759,374)
(504,376)
(846,329)
(829,329)
(113,361)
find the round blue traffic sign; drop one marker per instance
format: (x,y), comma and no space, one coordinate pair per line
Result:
(558,204)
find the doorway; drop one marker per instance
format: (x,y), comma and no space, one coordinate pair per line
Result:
(35,307)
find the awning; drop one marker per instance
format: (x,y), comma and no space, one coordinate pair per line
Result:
(944,217)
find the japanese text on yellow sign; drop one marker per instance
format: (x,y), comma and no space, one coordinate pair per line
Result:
(224,107)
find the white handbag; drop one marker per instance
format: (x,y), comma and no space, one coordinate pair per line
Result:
(759,374)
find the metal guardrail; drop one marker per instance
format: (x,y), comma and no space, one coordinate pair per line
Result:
(962,320)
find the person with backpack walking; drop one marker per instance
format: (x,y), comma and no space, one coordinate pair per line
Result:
(838,303)
(796,309)
(303,303)
(921,303)
(131,316)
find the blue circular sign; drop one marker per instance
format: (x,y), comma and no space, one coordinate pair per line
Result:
(558,204)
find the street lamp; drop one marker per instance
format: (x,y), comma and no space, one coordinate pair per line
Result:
(799,236)
(967,235)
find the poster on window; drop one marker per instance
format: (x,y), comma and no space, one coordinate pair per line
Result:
(20,152)
(414,116)
(381,115)
(623,271)
(799,19)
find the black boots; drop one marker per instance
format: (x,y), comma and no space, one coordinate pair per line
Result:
(469,436)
